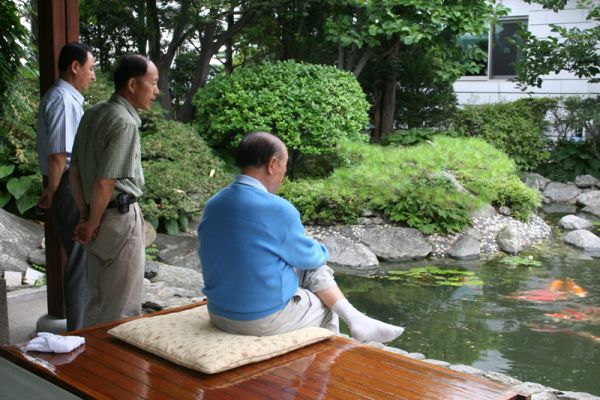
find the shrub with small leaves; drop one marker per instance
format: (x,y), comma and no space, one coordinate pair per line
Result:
(515,128)
(309,107)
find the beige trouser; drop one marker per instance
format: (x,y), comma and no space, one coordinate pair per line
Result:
(304,309)
(116,267)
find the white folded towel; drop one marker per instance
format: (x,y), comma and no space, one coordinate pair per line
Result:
(51,343)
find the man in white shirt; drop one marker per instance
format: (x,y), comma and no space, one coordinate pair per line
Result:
(58,119)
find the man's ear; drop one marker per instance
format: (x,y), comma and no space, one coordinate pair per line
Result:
(131,84)
(74,67)
(271,165)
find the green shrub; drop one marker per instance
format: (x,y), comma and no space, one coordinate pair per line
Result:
(516,128)
(20,180)
(576,124)
(181,173)
(411,185)
(570,159)
(310,107)
(321,203)
(511,192)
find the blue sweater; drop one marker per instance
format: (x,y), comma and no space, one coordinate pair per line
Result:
(250,243)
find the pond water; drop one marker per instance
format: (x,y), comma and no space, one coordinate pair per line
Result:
(488,326)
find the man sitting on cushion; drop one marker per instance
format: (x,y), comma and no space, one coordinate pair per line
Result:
(262,274)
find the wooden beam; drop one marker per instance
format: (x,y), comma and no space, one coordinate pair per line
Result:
(58,22)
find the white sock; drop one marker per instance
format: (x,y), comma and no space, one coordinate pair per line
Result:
(364,328)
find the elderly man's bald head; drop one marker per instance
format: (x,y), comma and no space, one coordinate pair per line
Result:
(257,149)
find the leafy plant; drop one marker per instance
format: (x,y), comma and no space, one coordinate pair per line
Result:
(526,261)
(20,181)
(413,185)
(513,193)
(177,184)
(151,252)
(433,276)
(515,128)
(309,107)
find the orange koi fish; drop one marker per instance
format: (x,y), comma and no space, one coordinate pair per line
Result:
(569,314)
(567,285)
(539,295)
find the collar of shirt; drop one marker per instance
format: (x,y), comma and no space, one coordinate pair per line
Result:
(115,98)
(71,90)
(250,181)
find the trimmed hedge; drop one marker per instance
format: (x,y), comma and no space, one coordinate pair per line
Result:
(310,107)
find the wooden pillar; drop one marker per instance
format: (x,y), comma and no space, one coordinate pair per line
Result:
(58,24)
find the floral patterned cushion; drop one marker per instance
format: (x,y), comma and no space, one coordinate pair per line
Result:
(188,338)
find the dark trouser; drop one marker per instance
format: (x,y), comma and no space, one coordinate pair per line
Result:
(65,217)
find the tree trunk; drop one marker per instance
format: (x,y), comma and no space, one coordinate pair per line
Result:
(209,45)
(388,112)
(385,125)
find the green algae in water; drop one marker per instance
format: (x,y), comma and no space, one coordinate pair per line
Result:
(527,261)
(433,276)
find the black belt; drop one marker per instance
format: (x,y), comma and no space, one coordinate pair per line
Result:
(113,204)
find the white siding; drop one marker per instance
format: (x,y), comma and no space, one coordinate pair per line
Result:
(479,90)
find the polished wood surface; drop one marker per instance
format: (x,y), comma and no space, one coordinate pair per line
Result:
(337,368)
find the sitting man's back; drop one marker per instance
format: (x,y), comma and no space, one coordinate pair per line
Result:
(262,274)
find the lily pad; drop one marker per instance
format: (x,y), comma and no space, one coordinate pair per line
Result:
(434,276)
(527,261)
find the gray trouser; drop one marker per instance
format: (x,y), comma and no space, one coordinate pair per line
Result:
(116,267)
(65,217)
(302,310)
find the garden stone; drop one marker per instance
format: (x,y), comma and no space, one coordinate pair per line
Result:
(149,234)
(583,239)
(561,192)
(455,183)
(437,362)
(13,279)
(37,257)
(536,181)
(346,253)
(370,221)
(466,369)
(572,222)
(592,210)
(505,211)
(18,238)
(182,278)
(559,208)
(509,240)
(565,395)
(150,269)
(586,181)
(500,378)
(528,388)
(181,250)
(545,395)
(396,244)
(465,248)
(474,233)
(487,211)
(158,295)
(591,198)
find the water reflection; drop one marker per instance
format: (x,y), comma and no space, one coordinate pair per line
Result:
(486,328)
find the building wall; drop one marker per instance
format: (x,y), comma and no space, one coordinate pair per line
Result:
(479,90)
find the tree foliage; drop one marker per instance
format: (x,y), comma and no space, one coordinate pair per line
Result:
(569,49)
(310,107)
(382,32)
(12,46)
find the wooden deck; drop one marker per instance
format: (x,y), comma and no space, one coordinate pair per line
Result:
(106,368)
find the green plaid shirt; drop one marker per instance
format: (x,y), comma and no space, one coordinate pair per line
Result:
(107,145)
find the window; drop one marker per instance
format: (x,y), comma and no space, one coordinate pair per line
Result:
(503,53)
(505,47)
